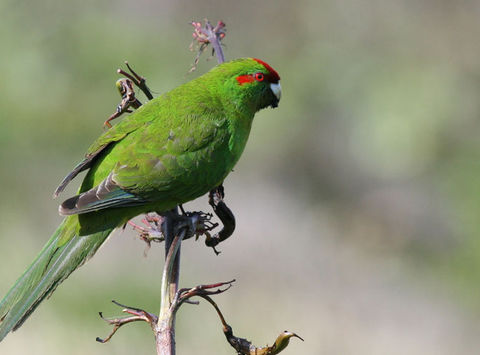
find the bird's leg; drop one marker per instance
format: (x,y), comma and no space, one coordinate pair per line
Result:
(215,199)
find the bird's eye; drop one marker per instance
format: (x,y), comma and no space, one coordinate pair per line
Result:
(259,77)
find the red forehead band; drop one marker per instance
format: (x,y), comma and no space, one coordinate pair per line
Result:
(273,76)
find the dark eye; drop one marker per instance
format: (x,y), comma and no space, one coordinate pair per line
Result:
(259,77)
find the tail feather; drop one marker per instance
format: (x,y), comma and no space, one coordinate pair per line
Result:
(63,253)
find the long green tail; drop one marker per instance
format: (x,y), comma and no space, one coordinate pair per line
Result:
(63,253)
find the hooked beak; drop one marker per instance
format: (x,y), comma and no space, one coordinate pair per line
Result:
(277,91)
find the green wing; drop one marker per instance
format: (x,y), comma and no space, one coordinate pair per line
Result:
(98,148)
(152,158)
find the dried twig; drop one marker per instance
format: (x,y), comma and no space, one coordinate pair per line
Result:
(241,345)
(137,315)
(127,92)
(151,232)
(138,80)
(203,36)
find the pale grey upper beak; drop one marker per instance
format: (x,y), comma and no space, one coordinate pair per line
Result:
(277,90)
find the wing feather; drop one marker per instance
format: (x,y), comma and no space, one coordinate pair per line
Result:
(107,194)
(98,148)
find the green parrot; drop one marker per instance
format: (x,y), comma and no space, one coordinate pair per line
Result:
(173,149)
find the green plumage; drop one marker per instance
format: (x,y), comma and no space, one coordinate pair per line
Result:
(173,149)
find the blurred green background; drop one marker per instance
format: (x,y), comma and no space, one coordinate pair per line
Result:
(357,200)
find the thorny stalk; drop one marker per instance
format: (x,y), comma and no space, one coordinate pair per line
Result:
(203,36)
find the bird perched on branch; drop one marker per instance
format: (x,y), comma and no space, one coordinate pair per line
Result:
(173,149)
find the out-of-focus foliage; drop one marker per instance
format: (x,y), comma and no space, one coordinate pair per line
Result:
(357,200)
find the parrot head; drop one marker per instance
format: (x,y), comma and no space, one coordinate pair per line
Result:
(251,82)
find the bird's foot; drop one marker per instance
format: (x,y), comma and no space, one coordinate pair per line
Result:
(196,222)
(215,199)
